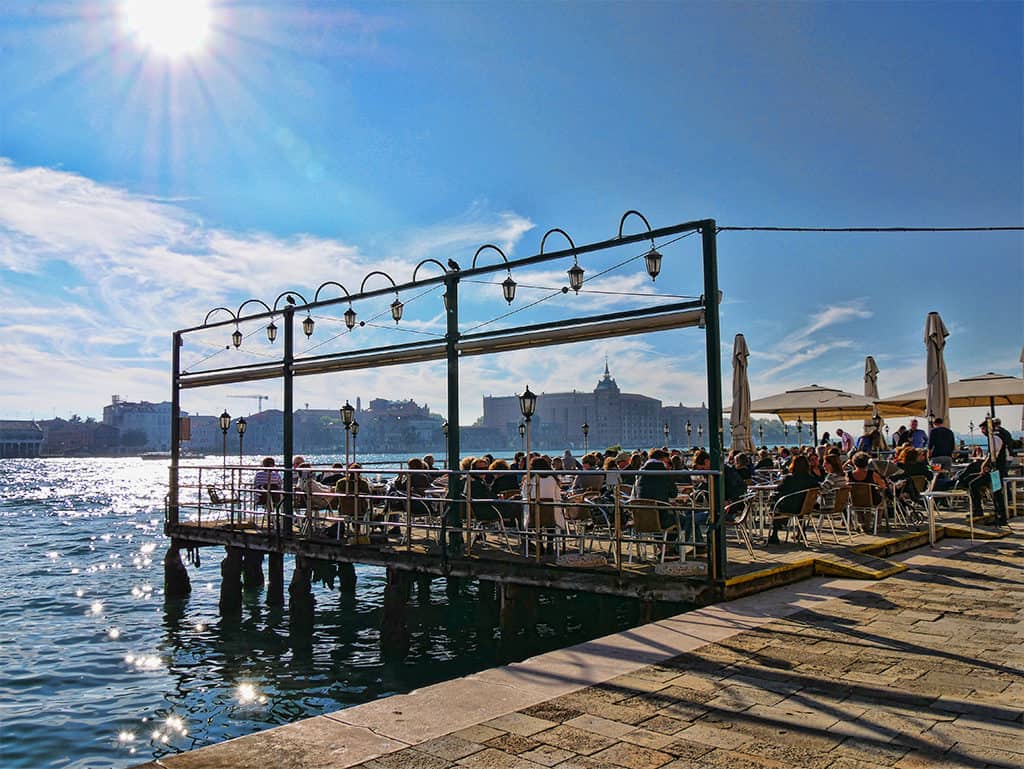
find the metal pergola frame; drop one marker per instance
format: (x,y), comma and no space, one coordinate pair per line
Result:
(703,313)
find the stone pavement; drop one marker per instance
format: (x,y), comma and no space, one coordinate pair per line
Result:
(921,670)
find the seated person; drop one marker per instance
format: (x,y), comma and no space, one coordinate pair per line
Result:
(764,461)
(658,482)
(268,484)
(787,500)
(815,468)
(337,472)
(585,482)
(742,464)
(481,494)
(311,491)
(834,477)
(862,473)
(413,484)
(543,486)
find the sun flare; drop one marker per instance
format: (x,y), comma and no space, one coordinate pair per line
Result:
(171,28)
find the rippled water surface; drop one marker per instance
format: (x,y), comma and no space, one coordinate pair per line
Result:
(97,671)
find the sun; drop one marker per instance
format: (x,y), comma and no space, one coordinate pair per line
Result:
(171,28)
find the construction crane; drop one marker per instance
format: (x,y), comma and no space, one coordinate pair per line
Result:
(259,400)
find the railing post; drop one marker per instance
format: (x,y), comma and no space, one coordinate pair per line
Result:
(618,526)
(712,332)
(172,501)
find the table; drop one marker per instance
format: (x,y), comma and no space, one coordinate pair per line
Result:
(764,492)
(931,496)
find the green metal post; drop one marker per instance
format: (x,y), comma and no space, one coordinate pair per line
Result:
(172,497)
(451,340)
(712,334)
(289,354)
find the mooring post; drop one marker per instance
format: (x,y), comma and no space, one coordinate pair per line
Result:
(252,570)
(394,633)
(300,592)
(423,583)
(347,577)
(275,588)
(176,581)
(518,610)
(231,582)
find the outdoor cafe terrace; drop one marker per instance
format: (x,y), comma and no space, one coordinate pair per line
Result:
(605,542)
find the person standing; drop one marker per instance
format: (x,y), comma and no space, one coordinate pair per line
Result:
(996,461)
(941,444)
(846,441)
(918,437)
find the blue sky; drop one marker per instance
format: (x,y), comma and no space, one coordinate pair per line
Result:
(311,141)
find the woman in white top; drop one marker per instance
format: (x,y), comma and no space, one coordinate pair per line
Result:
(543,486)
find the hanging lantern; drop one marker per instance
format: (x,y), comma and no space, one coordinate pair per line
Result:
(396,309)
(652,260)
(527,403)
(576,277)
(271,332)
(508,288)
(350,318)
(307,325)
(236,338)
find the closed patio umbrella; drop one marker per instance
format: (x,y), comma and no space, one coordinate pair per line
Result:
(870,387)
(815,403)
(739,422)
(989,390)
(937,381)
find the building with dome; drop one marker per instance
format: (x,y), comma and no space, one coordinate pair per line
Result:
(614,417)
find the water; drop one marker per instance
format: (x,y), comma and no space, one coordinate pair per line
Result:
(96,670)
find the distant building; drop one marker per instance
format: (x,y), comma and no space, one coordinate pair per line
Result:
(144,425)
(614,417)
(73,437)
(20,438)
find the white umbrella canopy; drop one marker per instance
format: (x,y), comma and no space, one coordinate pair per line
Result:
(937,380)
(739,422)
(870,386)
(816,403)
(987,390)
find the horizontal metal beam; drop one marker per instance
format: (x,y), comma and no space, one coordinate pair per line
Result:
(563,332)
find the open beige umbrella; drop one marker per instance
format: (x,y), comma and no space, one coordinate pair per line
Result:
(937,381)
(870,388)
(739,420)
(816,403)
(989,390)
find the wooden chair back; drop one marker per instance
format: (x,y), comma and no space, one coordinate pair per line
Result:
(810,500)
(862,495)
(841,500)
(644,513)
(544,509)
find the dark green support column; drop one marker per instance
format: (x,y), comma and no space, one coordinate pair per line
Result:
(451,282)
(231,582)
(172,493)
(288,448)
(275,587)
(712,332)
(176,581)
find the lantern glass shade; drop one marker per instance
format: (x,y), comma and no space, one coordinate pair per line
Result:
(689,427)
(242,424)
(508,289)
(355,428)
(271,332)
(586,429)
(444,298)
(307,325)
(522,429)
(350,318)
(225,421)
(236,338)
(576,277)
(347,414)
(527,403)
(396,309)
(652,261)
(444,428)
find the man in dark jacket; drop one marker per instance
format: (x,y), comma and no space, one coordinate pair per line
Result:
(656,482)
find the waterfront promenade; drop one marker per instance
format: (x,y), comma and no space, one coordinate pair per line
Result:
(922,669)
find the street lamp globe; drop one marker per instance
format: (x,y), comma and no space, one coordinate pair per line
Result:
(527,404)
(307,325)
(576,277)
(347,413)
(242,424)
(652,261)
(271,332)
(225,422)
(350,319)
(508,289)
(236,338)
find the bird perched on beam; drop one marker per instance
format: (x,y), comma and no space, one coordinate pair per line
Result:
(454,265)
(290,299)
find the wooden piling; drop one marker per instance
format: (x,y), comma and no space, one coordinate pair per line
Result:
(394,633)
(252,570)
(176,581)
(300,592)
(346,577)
(275,588)
(231,582)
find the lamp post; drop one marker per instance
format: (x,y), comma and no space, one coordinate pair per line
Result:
(800,431)
(225,425)
(586,443)
(444,432)
(785,431)
(355,432)
(241,424)
(665,430)
(700,434)
(760,434)
(522,432)
(347,414)
(876,420)
(931,421)
(528,405)
(887,436)
(689,430)
(971,428)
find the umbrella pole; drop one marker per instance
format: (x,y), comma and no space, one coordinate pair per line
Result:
(992,407)
(814,413)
